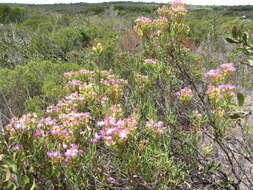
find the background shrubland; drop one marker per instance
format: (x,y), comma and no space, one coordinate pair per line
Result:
(125,95)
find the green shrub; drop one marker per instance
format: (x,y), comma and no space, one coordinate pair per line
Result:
(93,10)
(58,43)
(37,79)
(36,24)
(11,14)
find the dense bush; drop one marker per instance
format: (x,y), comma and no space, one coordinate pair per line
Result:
(58,43)
(10,14)
(36,24)
(39,79)
(135,9)
(93,10)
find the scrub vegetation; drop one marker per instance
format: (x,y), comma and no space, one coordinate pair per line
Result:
(126,95)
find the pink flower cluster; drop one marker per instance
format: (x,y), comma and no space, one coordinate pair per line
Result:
(54,155)
(217,93)
(43,125)
(72,151)
(175,9)
(61,131)
(81,73)
(143,20)
(185,95)
(219,74)
(169,15)
(88,91)
(115,130)
(144,26)
(214,75)
(220,88)
(103,100)
(150,61)
(151,28)
(39,133)
(111,79)
(228,67)
(224,89)
(75,83)
(66,121)
(74,118)
(68,103)
(23,124)
(178,6)
(156,127)
(47,122)
(162,21)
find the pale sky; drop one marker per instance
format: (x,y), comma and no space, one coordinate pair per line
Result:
(194,2)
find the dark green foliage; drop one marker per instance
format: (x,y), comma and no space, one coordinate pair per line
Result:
(57,44)
(132,9)
(93,10)
(10,14)
(240,99)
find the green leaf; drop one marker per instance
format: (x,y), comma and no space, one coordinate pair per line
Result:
(12,165)
(244,50)
(8,175)
(26,180)
(234,32)
(34,185)
(245,38)
(240,99)
(235,116)
(230,40)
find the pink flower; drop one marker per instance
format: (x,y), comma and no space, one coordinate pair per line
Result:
(110,131)
(94,140)
(111,180)
(156,127)
(120,123)
(123,134)
(226,87)
(220,88)
(159,124)
(18,147)
(185,95)
(108,139)
(100,123)
(228,67)
(150,61)
(39,133)
(54,154)
(110,121)
(143,20)
(71,153)
(213,73)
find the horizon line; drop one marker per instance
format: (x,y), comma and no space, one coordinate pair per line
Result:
(116,2)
